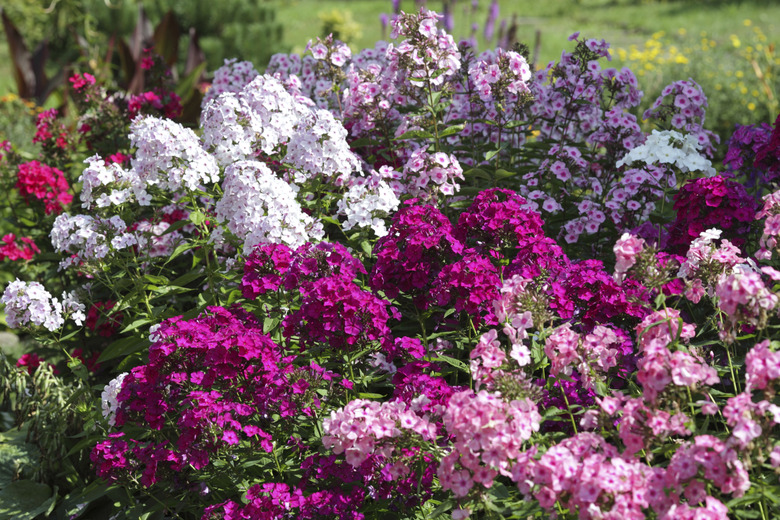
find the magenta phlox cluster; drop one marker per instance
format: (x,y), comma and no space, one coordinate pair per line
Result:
(418,245)
(48,185)
(17,248)
(211,384)
(337,314)
(711,202)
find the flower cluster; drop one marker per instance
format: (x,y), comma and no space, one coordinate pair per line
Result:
(44,183)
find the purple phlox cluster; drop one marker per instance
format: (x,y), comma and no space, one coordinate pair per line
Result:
(488,434)
(711,202)
(683,104)
(169,157)
(752,153)
(259,208)
(231,77)
(659,366)
(414,384)
(744,299)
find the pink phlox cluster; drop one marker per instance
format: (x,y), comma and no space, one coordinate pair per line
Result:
(51,138)
(762,366)
(428,175)
(156,102)
(705,460)
(588,476)
(683,105)
(626,250)
(744,299)
(592,355)
(231,77)
(706,263)
(510,311)
(109,184)
(169,156)
(363,428)
(508,72)
(39,181)
(771,212)
(488,436)
(17,248)
(659,366)
(428,54)
(259,208)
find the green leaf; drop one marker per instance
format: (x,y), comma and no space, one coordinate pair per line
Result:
(24,500)
(414,134)
(78,368)
(123,347)
(503,174)
(197,217)
(444,507)
(453,362)
(477,172)
(452,130)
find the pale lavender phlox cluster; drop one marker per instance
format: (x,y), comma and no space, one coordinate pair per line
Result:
(425,174)
(367,203)
(258,208)
(29,303)
(104,185)
(87,238)
(170,157)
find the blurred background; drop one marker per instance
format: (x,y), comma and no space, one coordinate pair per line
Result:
(727,46)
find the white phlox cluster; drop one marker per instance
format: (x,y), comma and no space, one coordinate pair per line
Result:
(670,147)
(365,202)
